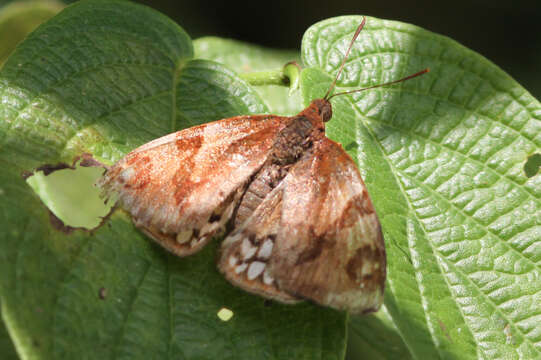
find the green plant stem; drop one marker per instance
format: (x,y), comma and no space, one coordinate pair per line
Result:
(270,77)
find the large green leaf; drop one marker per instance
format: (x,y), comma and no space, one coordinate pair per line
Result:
(104,77)
(442,157)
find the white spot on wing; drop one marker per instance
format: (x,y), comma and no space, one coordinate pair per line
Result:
(209,228)
(247,249)
(267,278)
(255,269)
(184,236)
(233,261)
(241,268)
(266,249)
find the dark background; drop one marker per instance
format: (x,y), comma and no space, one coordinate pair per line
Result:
(506,32)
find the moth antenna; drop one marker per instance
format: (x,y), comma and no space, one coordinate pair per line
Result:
(331,88)
(424,71)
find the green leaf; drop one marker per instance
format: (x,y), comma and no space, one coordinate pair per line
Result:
(17,20)
(375,337)
(103,77)
(442,157)
(7,349)
(243,58)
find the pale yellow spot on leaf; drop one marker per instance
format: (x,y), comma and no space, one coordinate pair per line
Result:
(225,314)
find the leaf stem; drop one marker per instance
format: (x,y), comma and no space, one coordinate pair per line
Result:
(286,76)
(270,77)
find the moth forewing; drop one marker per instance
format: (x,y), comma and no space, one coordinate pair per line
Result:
(182,189)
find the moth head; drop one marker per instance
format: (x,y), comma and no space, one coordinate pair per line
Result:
(324,109)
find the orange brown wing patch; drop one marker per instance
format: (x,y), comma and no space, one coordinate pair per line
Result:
(182,189)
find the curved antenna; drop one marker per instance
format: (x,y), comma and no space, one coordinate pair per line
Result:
(384,84)
(331,88)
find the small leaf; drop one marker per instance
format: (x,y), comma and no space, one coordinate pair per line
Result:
(442,156)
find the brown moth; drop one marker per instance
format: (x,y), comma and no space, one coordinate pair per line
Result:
(298,219)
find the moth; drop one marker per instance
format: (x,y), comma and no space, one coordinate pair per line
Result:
(298,221)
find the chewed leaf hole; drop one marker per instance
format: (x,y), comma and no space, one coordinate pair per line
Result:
(71,196)
(532,165)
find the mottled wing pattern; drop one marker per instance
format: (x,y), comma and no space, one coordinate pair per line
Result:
(329,246)
(315,236)
(182,189)
(246,252)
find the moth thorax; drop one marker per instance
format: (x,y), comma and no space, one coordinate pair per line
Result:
(292,141)
(325,109)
